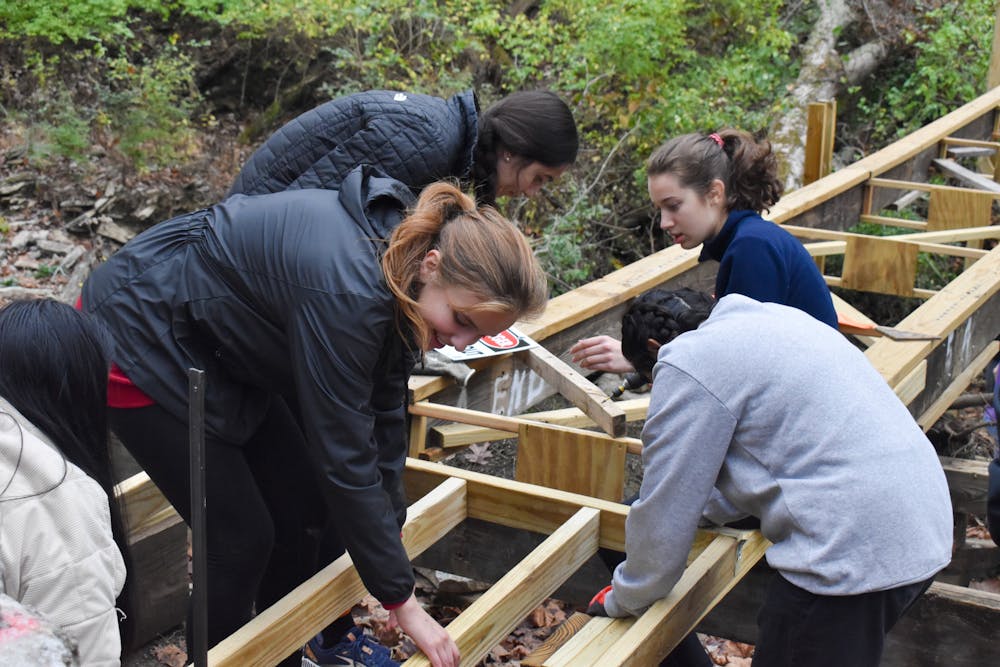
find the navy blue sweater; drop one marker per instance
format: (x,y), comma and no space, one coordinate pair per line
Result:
(761,260)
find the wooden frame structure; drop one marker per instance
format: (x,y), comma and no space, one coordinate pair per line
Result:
(567,507)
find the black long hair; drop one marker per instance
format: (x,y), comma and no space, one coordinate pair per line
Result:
(535,125)
(661,315)
(54,364)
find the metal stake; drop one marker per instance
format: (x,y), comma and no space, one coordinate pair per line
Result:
(198,652)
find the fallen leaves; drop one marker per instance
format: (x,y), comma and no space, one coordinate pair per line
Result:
(478,453)
(170,656)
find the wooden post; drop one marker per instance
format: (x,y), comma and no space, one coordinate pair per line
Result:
(820,132)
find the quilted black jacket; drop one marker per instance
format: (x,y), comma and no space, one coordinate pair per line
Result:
(415,139)
(281,293)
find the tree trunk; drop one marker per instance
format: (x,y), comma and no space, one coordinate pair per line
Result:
(823,75)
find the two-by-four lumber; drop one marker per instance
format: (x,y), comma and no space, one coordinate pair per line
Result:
(957,386)
(942,314)
(157,538)
(459,435)
(500,422)
(975,179)
(288,624)
(492,616)
(577,389)
(646,639)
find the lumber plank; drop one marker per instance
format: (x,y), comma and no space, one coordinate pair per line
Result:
(958,208)
(657,631)
(972,178)
(580,391)
(879,264)
(498,611)
(646,639)
(968,482)
(289,623)
(957,386)
(500,422)
(593,464)
(144,506)
(911,385)
(458,435)
(893,222)
(941,315)
(157,538)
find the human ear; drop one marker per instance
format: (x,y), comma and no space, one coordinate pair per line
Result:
(717,193)
(653,346)
(429,265)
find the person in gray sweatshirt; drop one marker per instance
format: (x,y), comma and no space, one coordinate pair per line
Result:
(758,409)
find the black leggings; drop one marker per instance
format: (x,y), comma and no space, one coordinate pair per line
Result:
(264,516)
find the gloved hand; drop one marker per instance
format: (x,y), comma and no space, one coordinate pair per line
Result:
(596,606)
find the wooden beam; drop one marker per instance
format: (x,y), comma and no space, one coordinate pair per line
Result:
(940,316)
(459,435)
(820,126)
(294,619)
(646,639)
(499,422)
(498,611)
(968,482)
(958,385)
(913,384)
(577,389)
(972,178)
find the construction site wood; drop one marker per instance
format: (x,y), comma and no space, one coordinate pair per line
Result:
(568,477)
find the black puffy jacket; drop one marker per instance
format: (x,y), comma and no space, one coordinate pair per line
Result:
(415,139)
(281,293)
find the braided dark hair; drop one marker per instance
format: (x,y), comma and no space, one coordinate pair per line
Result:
(742,161)
(661,315)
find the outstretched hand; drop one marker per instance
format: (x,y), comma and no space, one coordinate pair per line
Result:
(426,633)
(600,353)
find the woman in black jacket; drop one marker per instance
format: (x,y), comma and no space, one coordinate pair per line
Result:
(307,323)
(515,147)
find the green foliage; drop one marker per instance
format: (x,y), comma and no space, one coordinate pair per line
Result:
(44,271)
(147,106)
(950,56)
(635,72)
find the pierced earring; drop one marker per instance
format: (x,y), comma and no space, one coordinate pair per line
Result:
(506,158)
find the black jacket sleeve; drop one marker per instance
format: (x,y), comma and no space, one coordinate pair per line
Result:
(353,422)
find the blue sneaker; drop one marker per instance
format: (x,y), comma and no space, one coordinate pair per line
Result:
(355,649)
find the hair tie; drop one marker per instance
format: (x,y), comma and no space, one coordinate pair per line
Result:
(716,138)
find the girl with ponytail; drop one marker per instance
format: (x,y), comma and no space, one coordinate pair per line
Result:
(307,310)
(710,190)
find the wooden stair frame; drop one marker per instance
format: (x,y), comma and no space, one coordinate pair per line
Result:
(965,314)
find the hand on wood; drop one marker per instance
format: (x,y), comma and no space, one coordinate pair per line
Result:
(426,633)
(600,353)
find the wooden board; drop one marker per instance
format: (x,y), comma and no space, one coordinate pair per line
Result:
(577,389)
(878,264)
(593,465)
(958,208)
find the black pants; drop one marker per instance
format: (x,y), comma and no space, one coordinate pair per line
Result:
(796,627)
(264,516)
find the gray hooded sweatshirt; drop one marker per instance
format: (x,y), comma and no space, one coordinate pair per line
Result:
(764,411)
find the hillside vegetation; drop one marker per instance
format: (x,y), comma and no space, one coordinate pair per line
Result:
(150,89)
